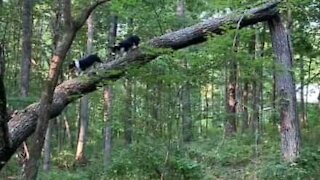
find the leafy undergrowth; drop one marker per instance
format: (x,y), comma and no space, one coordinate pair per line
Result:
(231,158)
(237,157)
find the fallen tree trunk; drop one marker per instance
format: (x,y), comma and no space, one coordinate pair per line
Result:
(23,123)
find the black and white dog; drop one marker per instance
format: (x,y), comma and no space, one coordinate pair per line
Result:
(124,46)
(84,63)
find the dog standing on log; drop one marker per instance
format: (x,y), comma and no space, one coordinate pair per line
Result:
(124,46)
(84,63)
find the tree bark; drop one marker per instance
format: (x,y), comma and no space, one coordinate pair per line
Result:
(4,133)
(257,96)
(128,114)
(26,54)
(231,88)
(128,119)
(83,131)
(67,130)
(290,128)
(231,101)
(24,123)
(108,99)
(255,85)
(47,149)
(107,129)
(260,52)
(186,88)
(302,103)
(245,99)
(26,47)
(186,113)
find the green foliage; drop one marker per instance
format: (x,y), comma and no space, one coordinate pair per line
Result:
(64,160)
(277,170)
(142,160)
(307,167)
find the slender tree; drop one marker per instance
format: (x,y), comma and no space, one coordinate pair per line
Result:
(47,149)
(128,115)
(245,100)
(26,59)
(71,26)
(186,88)
(26,47)
(290,128)
(302,83)
(108,97)
(128,119)
(4,135)
(231,100)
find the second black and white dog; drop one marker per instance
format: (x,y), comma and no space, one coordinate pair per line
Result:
(124,46)
(84,63)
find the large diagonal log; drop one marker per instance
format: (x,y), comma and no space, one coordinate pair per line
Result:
(23,123)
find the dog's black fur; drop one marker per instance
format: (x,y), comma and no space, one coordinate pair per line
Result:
(85,62)
(127,44)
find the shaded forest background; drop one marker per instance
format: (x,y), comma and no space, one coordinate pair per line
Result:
(171,118)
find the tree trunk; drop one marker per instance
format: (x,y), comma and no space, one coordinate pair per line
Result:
(67,130)
(255,87)
(24,123)
(186,113)
(307,85)
(260,36)
(26,46)
(186,88)
(245,97)
(128,131)
(128,117)
(231,88)
(84,106)
(274,117)
(108,97)
(230,124)
(26,54)
(107,130)
(4,134)
(47,149)
(83,131)
(257,95)
(290,130)
(302,103)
